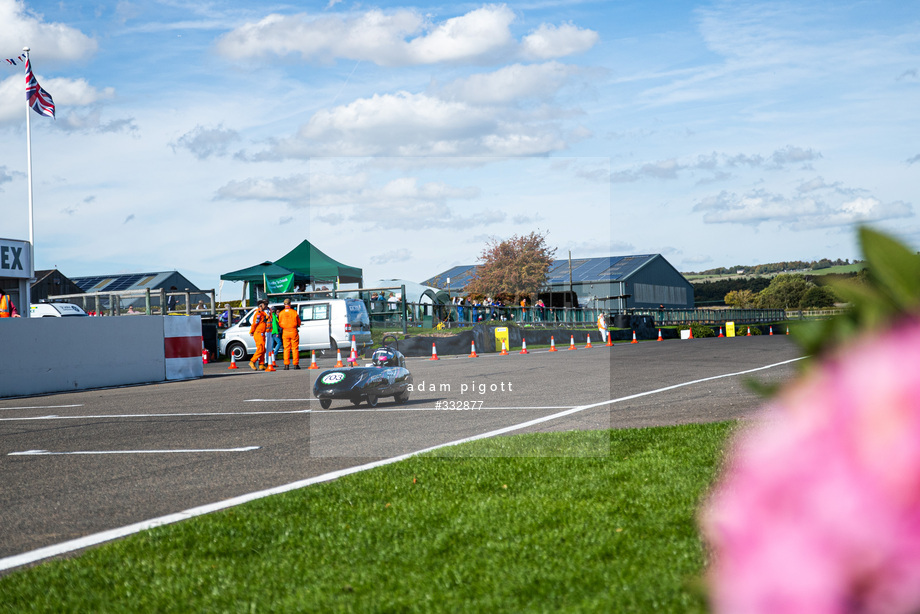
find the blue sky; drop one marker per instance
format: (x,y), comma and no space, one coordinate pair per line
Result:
(210,136)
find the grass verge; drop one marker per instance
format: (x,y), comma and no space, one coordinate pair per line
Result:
(495,525)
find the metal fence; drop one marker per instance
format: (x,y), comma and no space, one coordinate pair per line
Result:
(143,302)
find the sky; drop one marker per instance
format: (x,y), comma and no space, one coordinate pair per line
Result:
(401,138)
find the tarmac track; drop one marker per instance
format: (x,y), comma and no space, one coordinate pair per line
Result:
(74,464)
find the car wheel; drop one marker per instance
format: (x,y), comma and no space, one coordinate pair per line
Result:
(356,401)
(325,403)
(237,351)
(372,400)
(402,397)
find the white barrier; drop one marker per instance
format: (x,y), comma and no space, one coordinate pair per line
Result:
(42,355)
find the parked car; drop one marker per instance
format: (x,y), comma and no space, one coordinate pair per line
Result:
(56,310)
(325,324)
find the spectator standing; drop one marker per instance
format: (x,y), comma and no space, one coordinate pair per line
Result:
(541,308)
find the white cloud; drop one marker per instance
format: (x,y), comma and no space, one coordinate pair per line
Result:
(205,142)
(401,38)
(549,41)
(511,84)
(48,41)
(796,213)
(293,190)
(397,255)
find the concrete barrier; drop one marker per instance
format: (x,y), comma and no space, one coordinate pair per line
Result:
(42,355)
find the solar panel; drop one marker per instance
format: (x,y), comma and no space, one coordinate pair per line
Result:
(123,282)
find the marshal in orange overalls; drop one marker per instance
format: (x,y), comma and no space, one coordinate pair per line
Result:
(257,330)
(289,321)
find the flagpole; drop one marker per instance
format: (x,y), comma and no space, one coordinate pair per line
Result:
(26,300)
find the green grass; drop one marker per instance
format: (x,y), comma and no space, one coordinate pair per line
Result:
(504,524)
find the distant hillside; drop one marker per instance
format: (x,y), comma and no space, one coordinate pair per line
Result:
(711,291)
(772,268)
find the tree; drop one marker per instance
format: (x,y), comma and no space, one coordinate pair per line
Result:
(784,292)
(743,299)
(513,268)
(818,297)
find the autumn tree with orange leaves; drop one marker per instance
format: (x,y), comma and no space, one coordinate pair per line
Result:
(512,269)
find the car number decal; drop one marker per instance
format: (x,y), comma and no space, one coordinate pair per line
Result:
(333,378)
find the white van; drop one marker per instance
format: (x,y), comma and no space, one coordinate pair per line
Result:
(325,324)
(56,310)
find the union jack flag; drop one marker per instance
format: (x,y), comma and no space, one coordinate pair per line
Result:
(38,99)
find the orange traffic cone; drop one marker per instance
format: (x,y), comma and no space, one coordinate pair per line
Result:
(313,360)
(771,331)
(552,344)
(232,362)
(524,346)
(749,331)
(572,344)
(691,333)
(659,335)
(504,351)
(338,356)
(634,338)
(720,332)
(609,340)
(588,346)
(270,361)
(434,352)
(787,330)
(473,353)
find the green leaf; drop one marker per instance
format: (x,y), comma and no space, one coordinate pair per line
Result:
(895,267)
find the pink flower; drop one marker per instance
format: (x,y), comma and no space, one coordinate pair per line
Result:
(818,509)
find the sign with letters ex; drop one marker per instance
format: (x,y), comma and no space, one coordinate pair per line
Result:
(14,259)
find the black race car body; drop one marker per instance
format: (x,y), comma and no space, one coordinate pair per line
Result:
(388,377)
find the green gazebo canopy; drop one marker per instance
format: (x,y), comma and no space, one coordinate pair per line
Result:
(259,272)
(307,260)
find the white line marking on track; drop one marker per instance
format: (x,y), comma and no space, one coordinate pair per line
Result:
(42,407)
(104,536)
(183,415)
(93,452)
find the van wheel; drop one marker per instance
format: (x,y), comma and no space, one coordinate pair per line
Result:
(237,351)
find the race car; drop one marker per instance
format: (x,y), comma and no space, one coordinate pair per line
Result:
(387,377)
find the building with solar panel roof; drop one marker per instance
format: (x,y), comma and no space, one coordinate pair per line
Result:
(135,281)
(618,283)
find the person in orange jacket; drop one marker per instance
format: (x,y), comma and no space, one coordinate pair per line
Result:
(289,321)
(7,308)
(257,330)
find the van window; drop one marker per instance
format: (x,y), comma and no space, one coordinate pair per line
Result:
(314,312)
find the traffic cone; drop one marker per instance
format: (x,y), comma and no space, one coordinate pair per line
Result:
(504,351)
(691,333)
(353,355)
(473,353)
(270,361)
(659,335)
(749,331)
(634,338)
(720,332)
(771,331)
(552,344)
(787,330)
(589,346)
(524,346)
(434,352)
(338,355)
(232,362)
(609,340)
(572,344)
(313,360)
